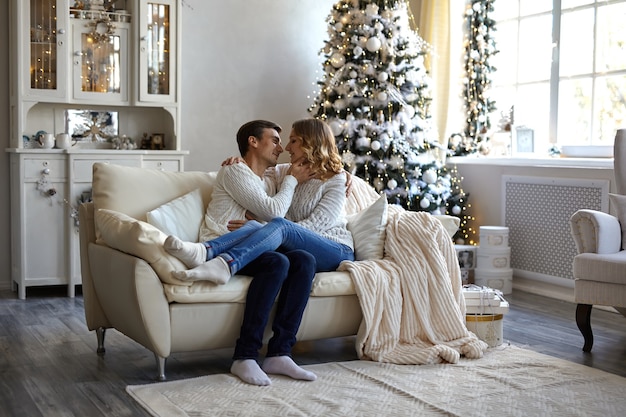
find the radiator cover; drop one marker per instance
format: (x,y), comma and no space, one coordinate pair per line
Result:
(537,211)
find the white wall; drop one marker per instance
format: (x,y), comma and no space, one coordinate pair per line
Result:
(245,60)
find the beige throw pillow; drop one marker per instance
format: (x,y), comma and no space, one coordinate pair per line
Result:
(139,239)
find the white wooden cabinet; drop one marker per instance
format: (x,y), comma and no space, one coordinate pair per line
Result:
(68,55)
(44,229)
(114,65)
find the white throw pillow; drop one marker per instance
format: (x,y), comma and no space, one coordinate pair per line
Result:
(180,217)
(368,230)
(140,239)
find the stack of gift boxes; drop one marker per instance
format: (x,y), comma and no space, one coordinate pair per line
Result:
(484,314)
(493,263)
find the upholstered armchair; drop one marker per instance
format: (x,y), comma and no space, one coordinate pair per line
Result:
(600,267)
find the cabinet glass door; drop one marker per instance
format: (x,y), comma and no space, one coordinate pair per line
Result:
(100,59)
(46,47)
(157,54)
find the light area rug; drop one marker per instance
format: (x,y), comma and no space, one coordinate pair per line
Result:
(507,381)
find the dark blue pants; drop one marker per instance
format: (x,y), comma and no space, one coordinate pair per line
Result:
(287,275)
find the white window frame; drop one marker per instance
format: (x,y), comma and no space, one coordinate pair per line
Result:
(555,77)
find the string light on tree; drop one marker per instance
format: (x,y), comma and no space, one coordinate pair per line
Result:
(458,205)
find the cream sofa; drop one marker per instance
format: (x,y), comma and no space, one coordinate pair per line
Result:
(126,275)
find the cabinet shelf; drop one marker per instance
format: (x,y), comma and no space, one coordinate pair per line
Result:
(66,61)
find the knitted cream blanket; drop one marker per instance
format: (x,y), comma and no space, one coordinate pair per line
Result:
(413,307)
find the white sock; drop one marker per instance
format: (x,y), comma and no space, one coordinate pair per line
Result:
(249,371)
(216,270)
(192,254)
(284,365)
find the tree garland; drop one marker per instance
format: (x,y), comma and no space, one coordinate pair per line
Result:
(479,46)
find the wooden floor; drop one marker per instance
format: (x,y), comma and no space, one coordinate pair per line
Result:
(48,364)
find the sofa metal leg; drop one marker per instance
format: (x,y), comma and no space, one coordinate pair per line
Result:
(160,367)
(583,320)
(100,333)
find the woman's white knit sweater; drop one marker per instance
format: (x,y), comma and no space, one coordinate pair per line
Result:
(316,205)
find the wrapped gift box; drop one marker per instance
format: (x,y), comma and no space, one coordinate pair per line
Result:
(485,310)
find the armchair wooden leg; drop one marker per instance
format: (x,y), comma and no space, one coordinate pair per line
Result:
(583,320)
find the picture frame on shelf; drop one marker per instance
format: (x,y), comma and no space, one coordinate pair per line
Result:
(157,141)
(524,139)
(91,125)
(466,254)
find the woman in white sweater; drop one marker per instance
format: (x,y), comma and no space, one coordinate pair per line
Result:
(315,221)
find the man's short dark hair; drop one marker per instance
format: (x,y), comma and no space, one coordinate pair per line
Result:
(254,128)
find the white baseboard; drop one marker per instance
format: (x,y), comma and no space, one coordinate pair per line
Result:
(558,288)
(563,291)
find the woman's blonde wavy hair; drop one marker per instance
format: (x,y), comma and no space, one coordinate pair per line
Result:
(319,147)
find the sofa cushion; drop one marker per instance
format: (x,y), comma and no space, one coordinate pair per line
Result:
(368,230)
(139,239)
(325,284)
(180,217)
(619,203)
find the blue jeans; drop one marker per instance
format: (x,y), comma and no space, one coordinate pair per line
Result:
(245,244)
(286,275)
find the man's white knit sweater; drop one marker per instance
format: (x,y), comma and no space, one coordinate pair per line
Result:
(316,205)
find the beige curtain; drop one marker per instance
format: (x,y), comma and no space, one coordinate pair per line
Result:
(440,23)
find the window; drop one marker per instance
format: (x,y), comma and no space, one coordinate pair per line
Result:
(562,67)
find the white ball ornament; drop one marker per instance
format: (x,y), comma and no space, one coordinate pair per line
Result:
(375,145)
(456,210)
(382,96)
(373,44)
(383,76)
(337,60)
(430,176)
(371,9)
(424,203)
(340,104)
(392,184)
(336,127)
(409,111)
(353,74)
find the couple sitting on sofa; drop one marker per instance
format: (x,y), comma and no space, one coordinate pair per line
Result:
(282,255)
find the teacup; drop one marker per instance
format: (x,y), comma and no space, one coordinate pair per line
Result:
(46,140)
(63,141)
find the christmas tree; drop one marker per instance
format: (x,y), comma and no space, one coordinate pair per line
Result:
(375,95)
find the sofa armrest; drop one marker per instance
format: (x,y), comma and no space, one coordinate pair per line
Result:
(132,297)
(94,316)
(595,232)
